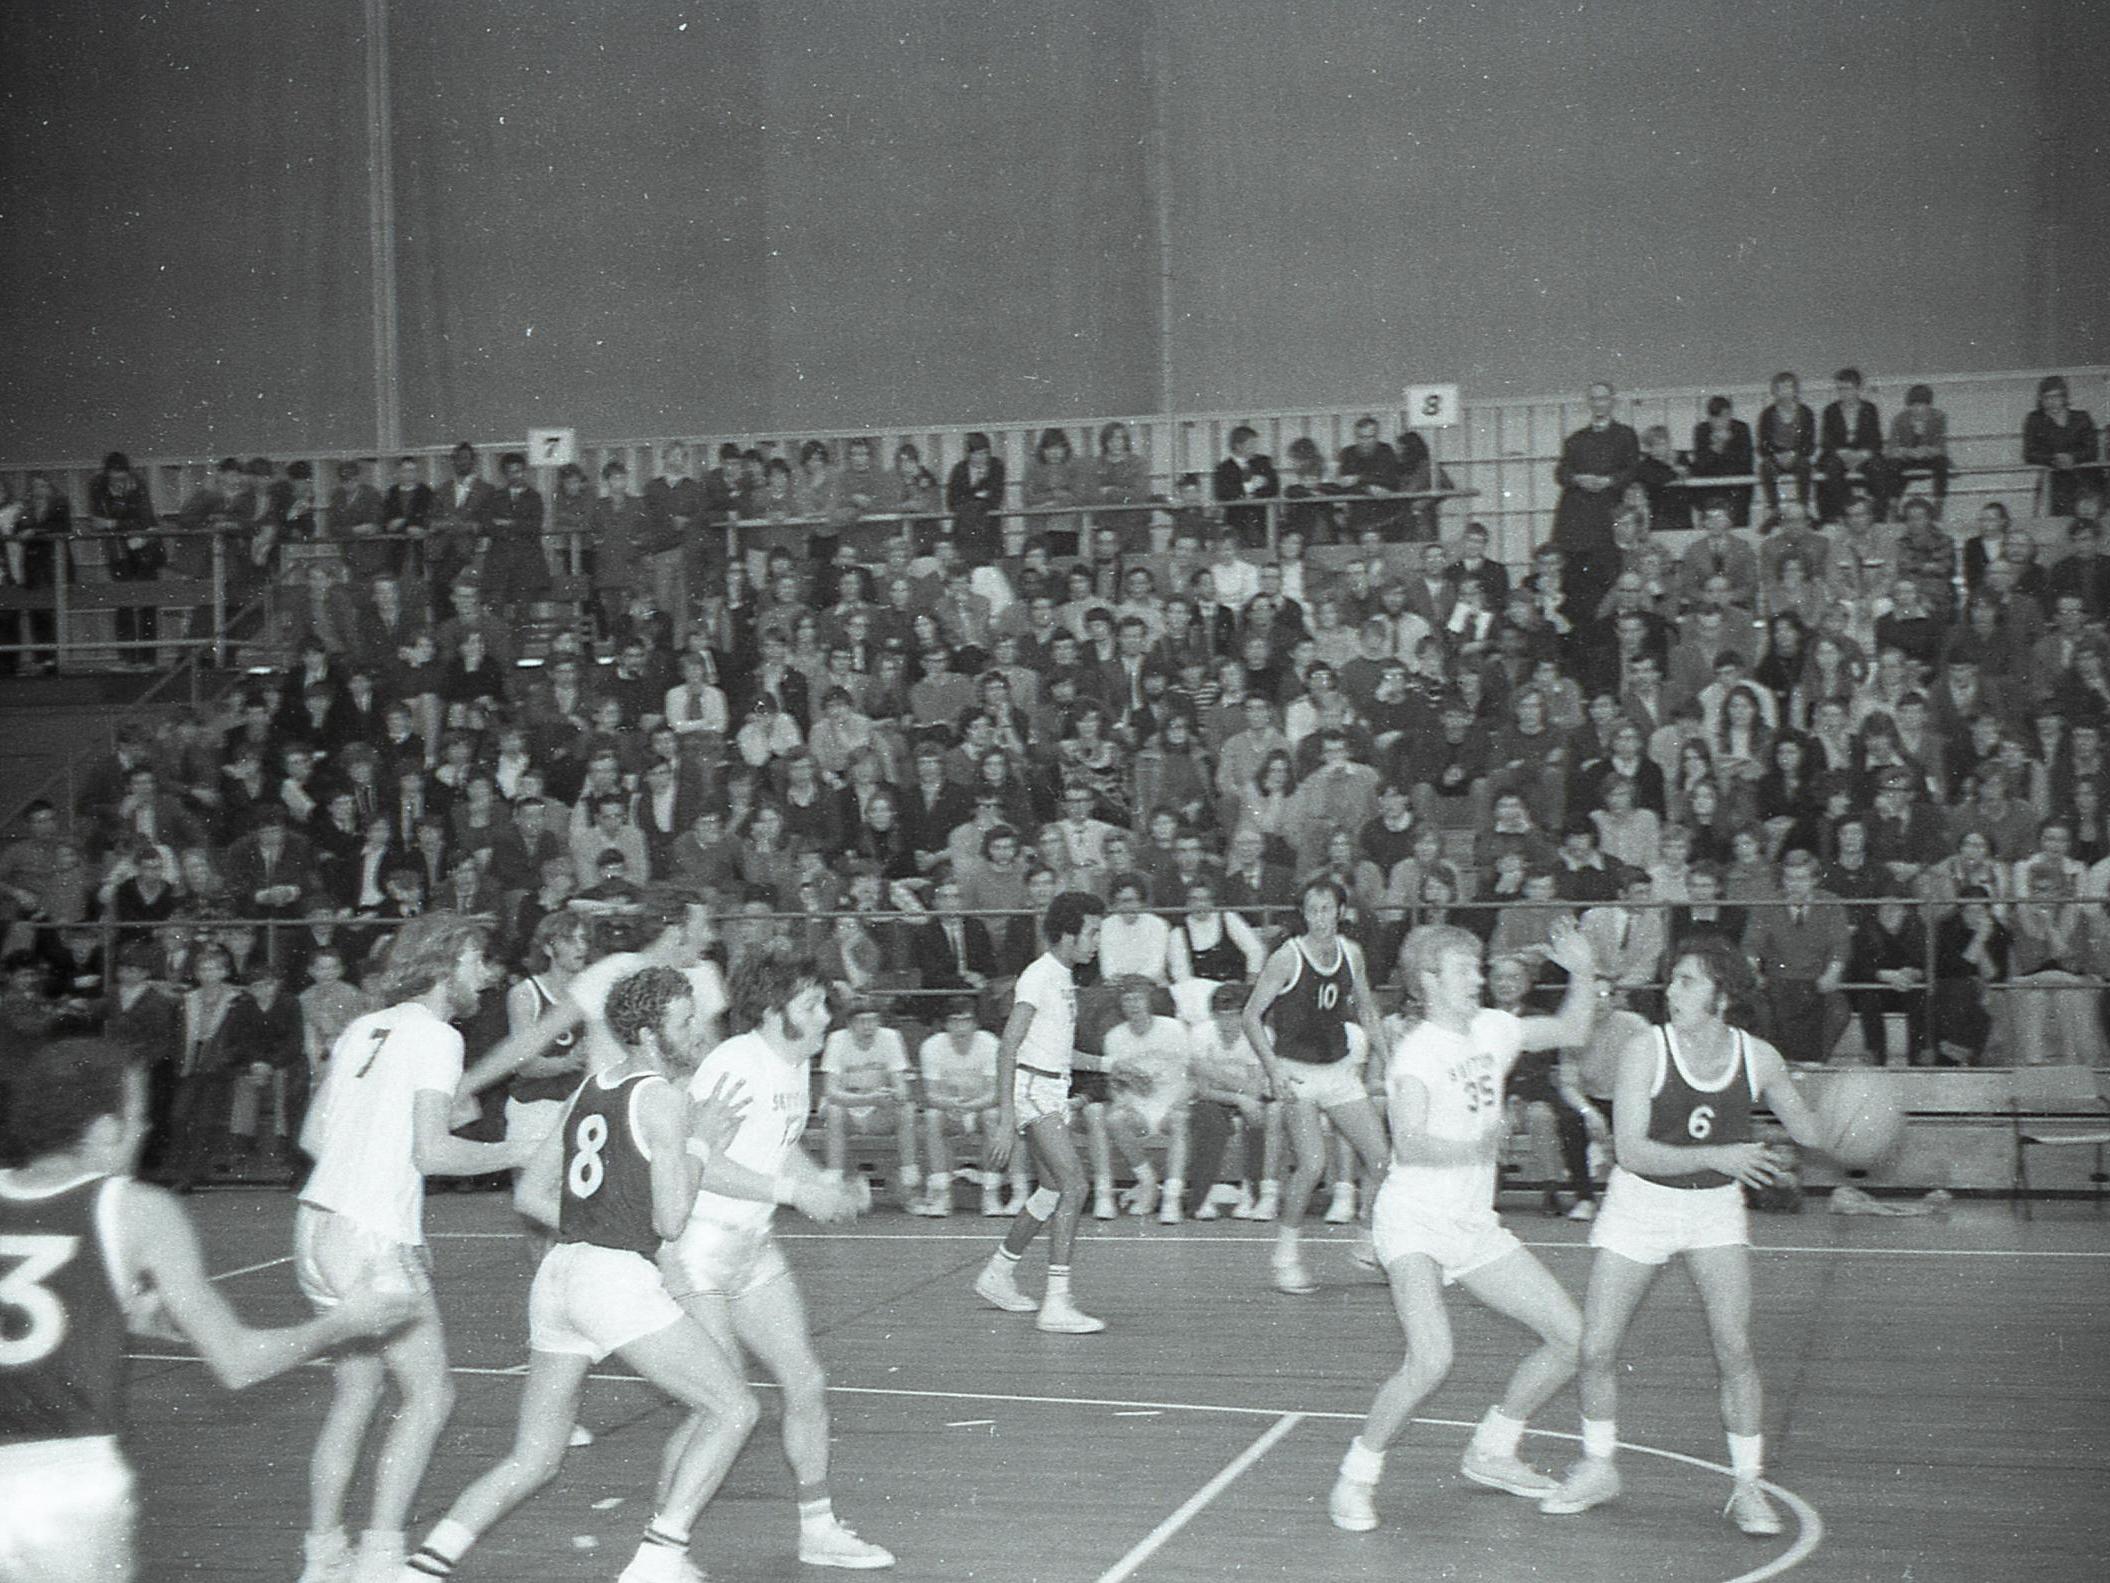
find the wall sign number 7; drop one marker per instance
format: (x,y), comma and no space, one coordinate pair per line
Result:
(553,447)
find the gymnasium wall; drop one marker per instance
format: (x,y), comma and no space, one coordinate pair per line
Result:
(737,215)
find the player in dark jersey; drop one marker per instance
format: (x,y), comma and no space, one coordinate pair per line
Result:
(1681,1123)
(617,1176)
(1297,1021)
(87,1254)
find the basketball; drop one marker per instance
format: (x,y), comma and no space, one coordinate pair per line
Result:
(1862,1117)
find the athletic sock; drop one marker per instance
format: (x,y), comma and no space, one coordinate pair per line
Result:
(1286,1243)
(664,1534)
(443,1548)
(1600,1438)
(1498,1435)
(817,1511)
(1747,1455)
(1058,1282)
(1004,1259)
(1361,1464)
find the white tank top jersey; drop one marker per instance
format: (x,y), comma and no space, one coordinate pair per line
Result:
(1051,990)
(1463,1075)
(779,1093)
(958,1074)
(865,1069)
(362,1131)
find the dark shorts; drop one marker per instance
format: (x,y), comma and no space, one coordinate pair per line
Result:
(1091,1087)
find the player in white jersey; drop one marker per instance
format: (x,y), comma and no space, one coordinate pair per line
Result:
(86,1256)
(864,1090)
(618,1172)
(1033,1093)
(725,1268)
(1435,1223)
(1146,1070)
(379,1127)
(959,1095)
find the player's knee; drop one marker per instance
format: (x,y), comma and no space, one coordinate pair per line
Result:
(1597,1353)
(741,1413)
(1429,1363)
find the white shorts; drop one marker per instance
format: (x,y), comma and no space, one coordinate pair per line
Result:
(66,1511)
(1336,1083)
(334,1256)
(863,1118)
(721,1261)
(590,1301)
(1460,1242)
(1035,1095)
(531,1118)
(1648,1222)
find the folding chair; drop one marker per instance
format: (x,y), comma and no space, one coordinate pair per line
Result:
(2058,1107)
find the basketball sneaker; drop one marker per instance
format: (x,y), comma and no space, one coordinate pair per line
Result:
(327,1557)
(1341,1209)
(380,1559)
(833,1543)
(1292,1277)
(1749,1509)
(1591,1482)
(1142,1198)
(1583,1209)
(1269,1204)
(579,1437)
(1509,1473)
(1061,1317)
(998,1287)
(1103,1201)
(658,1564)
(1352,1505)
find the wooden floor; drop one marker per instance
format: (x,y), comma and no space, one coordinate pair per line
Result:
(1937,1408)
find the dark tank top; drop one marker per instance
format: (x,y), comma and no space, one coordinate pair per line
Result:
(62,1324)
(1684,1114)
(607,1188)
(1310,1018)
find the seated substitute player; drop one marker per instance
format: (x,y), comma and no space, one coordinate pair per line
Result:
(725,1269)
(864,1089)
(1435,1223)
(1681,1127)
(1146,1074)
(618,1174)
(959,1096)
(1297,1022)
(376,1131)
(1230,1085)
(86,1254)
(1033,1093)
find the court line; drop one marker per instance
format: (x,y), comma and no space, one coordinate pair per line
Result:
(1810,1524)
(1154,1541)
(1205,1241)
(251,1269)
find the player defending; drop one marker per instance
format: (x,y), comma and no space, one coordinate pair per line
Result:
(1681,1127)
(1308,985)
(86,1254)
(621,1177)
(726,1270)
(377,1130)
(1033,1091)
(1435,1223)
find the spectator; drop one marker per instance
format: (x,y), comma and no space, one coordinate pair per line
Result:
(1919,444)
(865,1088)
(1786,440)
(958,1066)
(1801,950)
(2063,439)
(1721,448)
(1246,475)
(1850,450)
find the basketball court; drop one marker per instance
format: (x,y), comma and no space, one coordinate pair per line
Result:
(1938,1408)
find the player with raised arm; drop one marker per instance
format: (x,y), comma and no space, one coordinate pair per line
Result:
(1297,1022)
(619,1174)
(379,1127)
(1681,1126)
(1435,1223)
(726,1269)
(1033,1093)
(87,1254)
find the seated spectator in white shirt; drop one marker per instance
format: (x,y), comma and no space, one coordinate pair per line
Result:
(864,1090)
(1150,1087)
(1133,943)
(959,1099)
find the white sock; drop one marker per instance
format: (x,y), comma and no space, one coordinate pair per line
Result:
(1361,1464)
(1747,1455)
(1498,1435)
(1285,1242)
(816,1513)
(1058,1282)
(1004,1261)
(1600,1438)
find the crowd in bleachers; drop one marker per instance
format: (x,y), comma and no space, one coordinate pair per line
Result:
(1733,706)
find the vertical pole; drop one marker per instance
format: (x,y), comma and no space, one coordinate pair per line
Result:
(1160,178)
(381,228)
(1930,1035)
(219,599)
(61,638)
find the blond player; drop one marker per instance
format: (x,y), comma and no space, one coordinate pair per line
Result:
(377,1130)
(726,1269)
(1435,1223)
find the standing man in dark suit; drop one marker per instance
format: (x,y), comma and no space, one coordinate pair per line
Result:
(1801,951)
(515,569)
(1597,463)
(406,509)
(460,524)
(355,517)
(1246,475)
(952,951)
